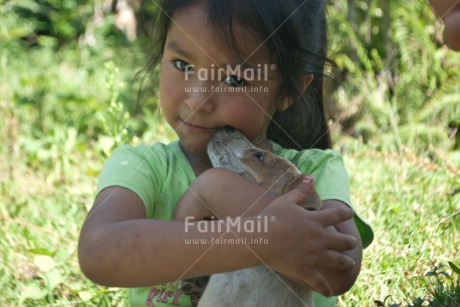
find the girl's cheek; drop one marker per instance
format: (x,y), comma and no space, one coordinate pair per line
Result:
(240,115)
(169,90)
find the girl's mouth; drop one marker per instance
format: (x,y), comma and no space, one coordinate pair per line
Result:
(198,129)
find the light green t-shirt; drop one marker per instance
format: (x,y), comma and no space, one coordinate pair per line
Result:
(160,174)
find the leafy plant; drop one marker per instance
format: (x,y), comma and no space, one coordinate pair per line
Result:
(399,85)
(444,291)
(50,22)
(115,119)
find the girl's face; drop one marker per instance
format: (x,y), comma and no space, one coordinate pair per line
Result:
(202,88)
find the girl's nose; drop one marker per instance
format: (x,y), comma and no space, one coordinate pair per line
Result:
(200,98)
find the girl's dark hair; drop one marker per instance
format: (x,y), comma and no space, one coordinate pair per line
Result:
(294,34)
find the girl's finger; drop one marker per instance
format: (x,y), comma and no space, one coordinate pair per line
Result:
(336,260)
(318,283)
(339,241)
(301,193)
(330,217)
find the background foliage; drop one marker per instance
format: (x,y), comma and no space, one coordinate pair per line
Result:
(400,85)
(69,94)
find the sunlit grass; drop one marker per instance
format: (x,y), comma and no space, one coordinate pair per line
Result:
(414,210)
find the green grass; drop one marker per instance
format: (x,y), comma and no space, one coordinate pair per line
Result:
(413,207)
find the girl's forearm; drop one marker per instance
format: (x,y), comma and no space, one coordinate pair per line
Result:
(220,193)
(139,253)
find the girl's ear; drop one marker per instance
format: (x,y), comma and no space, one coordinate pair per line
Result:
(302,84)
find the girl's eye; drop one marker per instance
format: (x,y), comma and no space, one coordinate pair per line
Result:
(183,66)
(259,155)
(235,81)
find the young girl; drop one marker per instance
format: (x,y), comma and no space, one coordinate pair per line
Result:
(255,66)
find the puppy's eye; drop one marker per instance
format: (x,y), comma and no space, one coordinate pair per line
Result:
(259,155)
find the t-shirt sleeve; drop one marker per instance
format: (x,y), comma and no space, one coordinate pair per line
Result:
(129,167)
(331,177)
(332,182)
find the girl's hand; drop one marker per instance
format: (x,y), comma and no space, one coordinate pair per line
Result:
(301,242)
(308,247)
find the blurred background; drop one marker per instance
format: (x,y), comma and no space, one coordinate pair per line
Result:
(74,85)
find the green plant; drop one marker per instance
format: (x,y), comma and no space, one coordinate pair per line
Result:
(49,22)
(444,291)
(399,85)
(115,118)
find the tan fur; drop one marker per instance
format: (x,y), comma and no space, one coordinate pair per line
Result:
(257,286)
(231,150)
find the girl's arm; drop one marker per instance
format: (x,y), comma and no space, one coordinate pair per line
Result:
(203,202)
(199,203)
(119,247)
(449,11)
